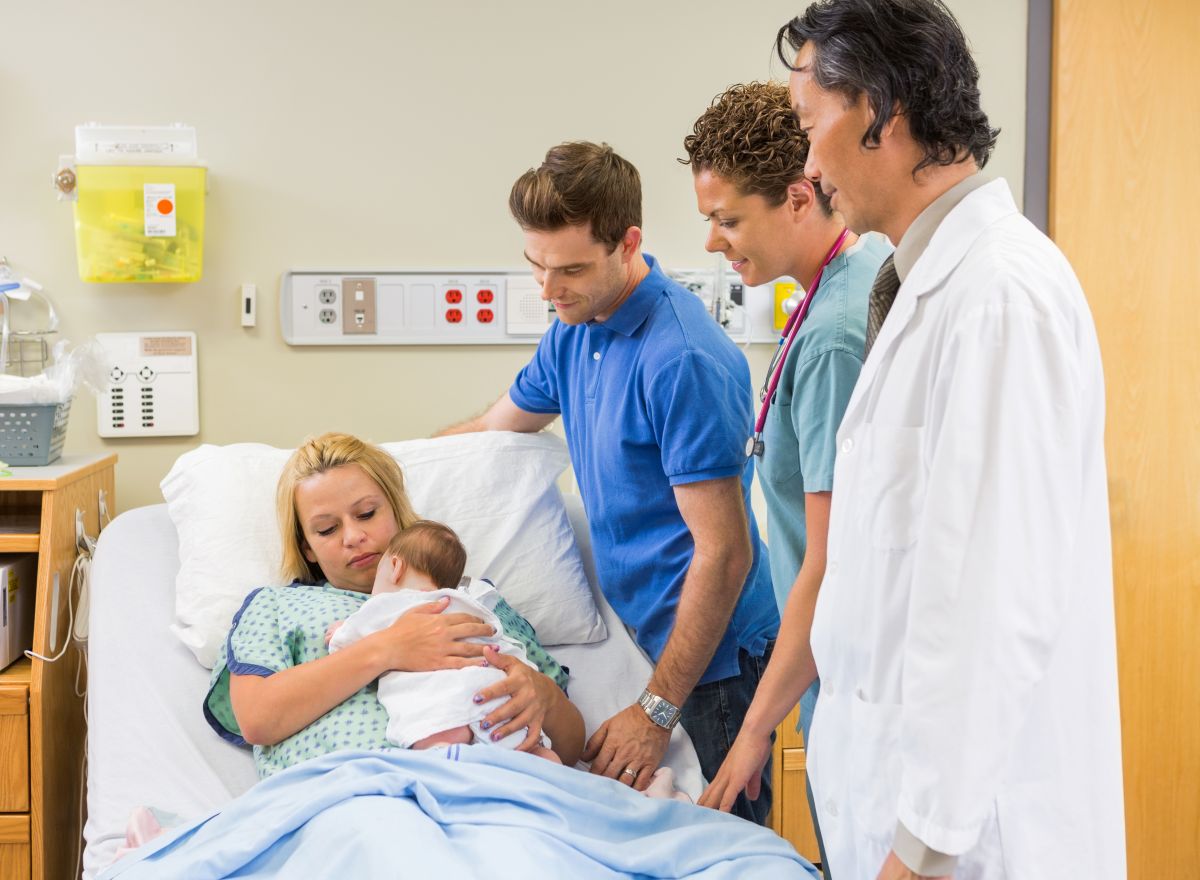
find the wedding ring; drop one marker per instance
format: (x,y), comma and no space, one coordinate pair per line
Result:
(630,771)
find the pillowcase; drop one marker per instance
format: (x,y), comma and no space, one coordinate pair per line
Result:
(496,489)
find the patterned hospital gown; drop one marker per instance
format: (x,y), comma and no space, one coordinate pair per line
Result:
(281,627)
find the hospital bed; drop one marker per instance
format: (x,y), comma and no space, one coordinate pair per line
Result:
(148,743)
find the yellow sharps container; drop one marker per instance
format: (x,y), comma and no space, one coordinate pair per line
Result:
(139,211)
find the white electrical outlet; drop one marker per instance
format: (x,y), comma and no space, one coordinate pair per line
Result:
(152,388)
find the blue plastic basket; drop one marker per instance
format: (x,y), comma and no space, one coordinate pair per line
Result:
(32,433)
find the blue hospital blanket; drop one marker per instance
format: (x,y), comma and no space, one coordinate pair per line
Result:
(458,813)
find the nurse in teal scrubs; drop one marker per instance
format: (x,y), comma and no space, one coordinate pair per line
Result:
(747,156)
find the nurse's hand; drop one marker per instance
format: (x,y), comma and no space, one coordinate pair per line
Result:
(425,639)
(740,771)
(628,747)
(894,869)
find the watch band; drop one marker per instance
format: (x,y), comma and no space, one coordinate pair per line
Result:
(659,710)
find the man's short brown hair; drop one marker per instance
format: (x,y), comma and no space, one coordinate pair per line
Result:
(432,549)
(580,183)
(750,137)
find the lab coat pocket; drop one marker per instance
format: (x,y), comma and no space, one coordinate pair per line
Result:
(1039,830)
(875,770)
(895,485)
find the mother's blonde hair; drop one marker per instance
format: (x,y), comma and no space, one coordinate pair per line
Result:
(316,456)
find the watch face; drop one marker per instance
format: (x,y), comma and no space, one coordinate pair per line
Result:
(662,714)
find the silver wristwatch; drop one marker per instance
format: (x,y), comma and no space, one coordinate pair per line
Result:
(662,712)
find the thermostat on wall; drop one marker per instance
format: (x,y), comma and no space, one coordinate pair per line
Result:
(152,388)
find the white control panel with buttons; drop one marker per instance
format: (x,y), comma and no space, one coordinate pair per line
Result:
(152,388)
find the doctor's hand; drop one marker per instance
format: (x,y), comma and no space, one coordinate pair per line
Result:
(894,869)
(530,694)
(425,639)
(740,771)
(629,741)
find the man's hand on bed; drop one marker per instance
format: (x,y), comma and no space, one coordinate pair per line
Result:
(425,639)
(740,771)
(629,741)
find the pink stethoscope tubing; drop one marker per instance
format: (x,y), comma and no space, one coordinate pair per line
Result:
(790,331)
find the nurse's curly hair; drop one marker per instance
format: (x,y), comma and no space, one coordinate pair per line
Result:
(749,137)
(909,58)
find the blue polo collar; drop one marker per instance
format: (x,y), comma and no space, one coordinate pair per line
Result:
(633,312)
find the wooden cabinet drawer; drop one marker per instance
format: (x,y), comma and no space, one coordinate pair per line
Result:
(796,819)
(14,750)
(14,848)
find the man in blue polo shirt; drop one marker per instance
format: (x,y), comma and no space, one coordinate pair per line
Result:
(657,407)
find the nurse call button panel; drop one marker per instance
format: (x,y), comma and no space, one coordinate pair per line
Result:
(151,388)
(411,308)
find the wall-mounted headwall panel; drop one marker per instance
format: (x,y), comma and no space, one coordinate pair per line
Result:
(493,307)
(411,308)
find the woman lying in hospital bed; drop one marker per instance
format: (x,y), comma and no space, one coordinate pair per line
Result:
(341,502)
(424,563)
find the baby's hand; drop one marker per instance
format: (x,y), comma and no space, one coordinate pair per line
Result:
(331,629)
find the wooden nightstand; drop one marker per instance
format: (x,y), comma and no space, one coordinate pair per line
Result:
(790,816)
(41,719)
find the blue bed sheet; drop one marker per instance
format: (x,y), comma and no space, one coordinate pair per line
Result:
(455,814)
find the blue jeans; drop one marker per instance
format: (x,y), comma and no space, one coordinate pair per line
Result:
(713,715)
(808,704)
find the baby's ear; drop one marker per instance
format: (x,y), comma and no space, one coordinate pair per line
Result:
(399,566)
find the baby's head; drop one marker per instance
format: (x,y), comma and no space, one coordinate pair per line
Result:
(425,556)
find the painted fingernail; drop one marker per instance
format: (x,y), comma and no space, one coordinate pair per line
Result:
(477,699)
(495,736)
(485,725)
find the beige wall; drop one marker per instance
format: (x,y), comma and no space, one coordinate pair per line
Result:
(370,135)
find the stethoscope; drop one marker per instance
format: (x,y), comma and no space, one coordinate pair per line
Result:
(755,445)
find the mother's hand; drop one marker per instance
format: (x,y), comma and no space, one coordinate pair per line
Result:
(425,639)
(531,696)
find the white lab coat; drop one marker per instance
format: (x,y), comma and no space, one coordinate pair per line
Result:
(964,633)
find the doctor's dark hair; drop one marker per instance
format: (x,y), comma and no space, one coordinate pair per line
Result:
(749,137)
(432,549)
(317,455)
(911,59)
(580,183)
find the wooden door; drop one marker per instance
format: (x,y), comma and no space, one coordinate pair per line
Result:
(1125,207)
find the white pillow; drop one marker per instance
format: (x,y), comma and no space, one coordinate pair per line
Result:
(496,489)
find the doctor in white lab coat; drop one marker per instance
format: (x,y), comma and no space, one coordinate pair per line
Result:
(968,722)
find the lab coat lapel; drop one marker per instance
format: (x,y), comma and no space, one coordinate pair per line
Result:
(953,238)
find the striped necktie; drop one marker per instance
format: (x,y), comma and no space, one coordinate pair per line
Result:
(883,294)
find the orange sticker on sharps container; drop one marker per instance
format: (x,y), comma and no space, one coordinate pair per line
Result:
(159,209)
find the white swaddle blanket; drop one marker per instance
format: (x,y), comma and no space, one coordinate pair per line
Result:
(423,703)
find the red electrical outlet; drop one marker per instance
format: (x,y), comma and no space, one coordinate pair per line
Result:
(486,316)
(454,316)
(454,296)
(485,296)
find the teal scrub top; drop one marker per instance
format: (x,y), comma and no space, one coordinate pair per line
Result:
(800,435)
